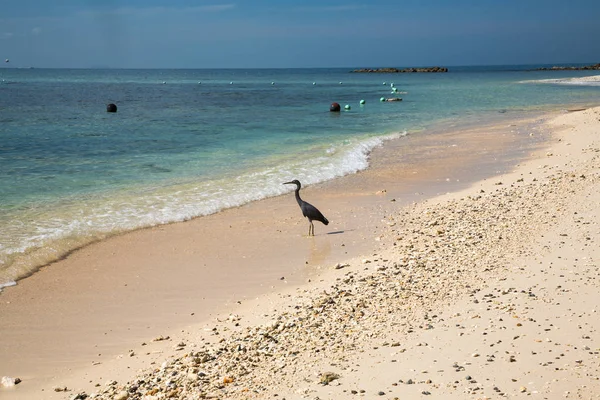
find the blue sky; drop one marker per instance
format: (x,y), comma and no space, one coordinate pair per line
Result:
(281,33)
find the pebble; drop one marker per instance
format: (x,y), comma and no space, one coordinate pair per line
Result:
(327,377)
(122,396)
(7,381)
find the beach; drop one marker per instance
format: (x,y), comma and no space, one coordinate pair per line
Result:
(472,276)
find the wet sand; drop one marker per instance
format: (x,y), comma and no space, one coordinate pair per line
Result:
(92,317)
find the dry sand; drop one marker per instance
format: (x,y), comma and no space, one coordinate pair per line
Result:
(487,291)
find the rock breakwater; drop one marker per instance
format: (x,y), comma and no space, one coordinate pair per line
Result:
(398,70)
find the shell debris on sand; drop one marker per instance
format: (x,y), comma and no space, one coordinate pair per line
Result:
(472,267)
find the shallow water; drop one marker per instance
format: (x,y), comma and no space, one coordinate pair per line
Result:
(186,143)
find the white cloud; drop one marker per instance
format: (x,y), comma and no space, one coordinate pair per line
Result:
(36,31)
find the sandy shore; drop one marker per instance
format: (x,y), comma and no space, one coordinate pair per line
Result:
(490,290)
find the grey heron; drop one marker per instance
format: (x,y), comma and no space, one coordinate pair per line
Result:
(308,210)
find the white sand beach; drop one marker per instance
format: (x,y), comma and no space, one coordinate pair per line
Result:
(485,287)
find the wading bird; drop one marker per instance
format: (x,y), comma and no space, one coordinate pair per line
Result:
(308,210)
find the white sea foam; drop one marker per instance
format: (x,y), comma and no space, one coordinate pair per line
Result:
(7,284)
(581,81)
(61,228)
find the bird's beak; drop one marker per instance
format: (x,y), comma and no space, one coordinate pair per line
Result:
(288,183)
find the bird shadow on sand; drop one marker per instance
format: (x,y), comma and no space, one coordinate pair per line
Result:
(337,232)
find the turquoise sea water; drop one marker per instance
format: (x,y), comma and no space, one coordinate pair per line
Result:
(186,143)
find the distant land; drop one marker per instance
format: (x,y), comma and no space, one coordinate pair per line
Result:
(570,68)
(398,70)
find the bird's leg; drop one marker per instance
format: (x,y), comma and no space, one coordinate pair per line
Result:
(311,229)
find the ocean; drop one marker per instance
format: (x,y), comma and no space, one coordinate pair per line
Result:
(187,143)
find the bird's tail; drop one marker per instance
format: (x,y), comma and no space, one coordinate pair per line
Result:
(325,221)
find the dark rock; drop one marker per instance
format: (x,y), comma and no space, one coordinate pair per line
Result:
(570,68)
(397,70)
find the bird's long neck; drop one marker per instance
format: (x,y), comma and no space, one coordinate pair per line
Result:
(298,199)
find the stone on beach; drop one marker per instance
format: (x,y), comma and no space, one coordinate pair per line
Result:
(7,381)
(328,377)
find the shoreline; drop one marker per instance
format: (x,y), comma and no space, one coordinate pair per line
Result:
(365,196)
(55,251)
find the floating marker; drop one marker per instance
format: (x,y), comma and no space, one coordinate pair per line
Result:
(382,99)
(340,83)
(111,108)
(394,90)
(392,84)
(231,83)
(314,83)
(334,107)
(362,102)
(164,82)
(384,83)
(272,83)
(199,83)
(347,107)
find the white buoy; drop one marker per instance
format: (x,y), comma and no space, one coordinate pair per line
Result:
(384,83)
(314,83)
(199,83)
(272,83)
(231,83)
(164,82)
(7,60)
(340,83)
(347,107)
(362,102)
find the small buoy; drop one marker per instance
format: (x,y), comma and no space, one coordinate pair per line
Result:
(334,107)
(362,102)
(347,107)
(272,83)
(112,108)
(7,60)
(199,83)
(392,84)
(384,83)
(340,83)
(394,90)
(314,83)
(231,83)
(164,82)
(382,99)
